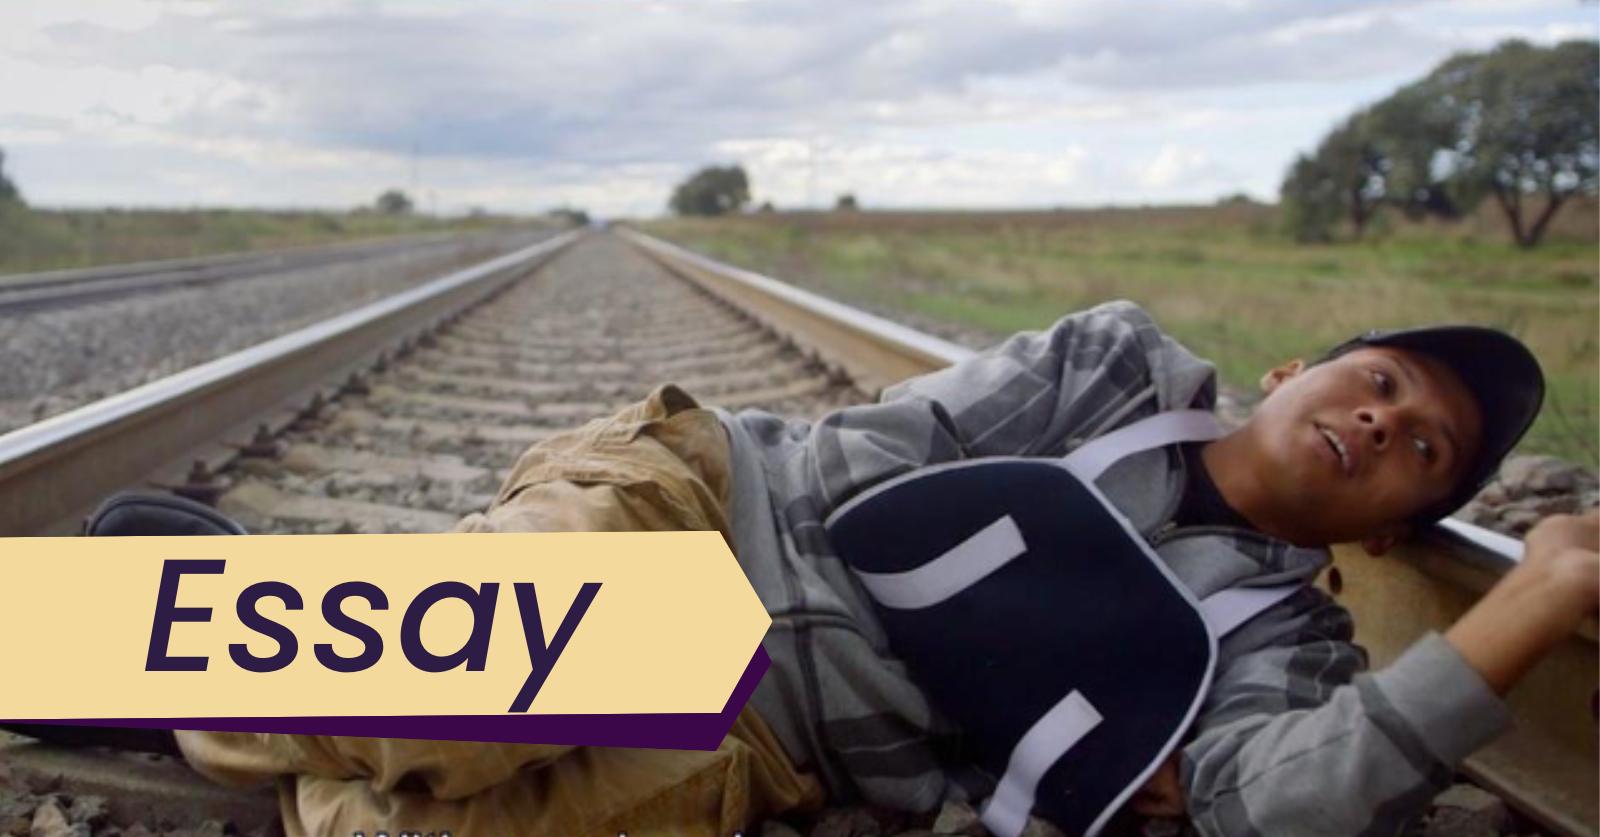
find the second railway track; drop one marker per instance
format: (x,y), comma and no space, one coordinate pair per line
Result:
(26,292)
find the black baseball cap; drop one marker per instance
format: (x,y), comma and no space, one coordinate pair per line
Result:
(1499,371)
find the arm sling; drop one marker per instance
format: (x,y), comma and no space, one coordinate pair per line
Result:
(1038,619)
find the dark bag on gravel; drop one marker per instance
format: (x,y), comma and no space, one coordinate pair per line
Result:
(1038,620)
(133,513)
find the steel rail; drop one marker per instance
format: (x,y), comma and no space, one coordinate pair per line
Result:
(872,350)
(1546,766)
(67,275)
(29,291)
(53,470)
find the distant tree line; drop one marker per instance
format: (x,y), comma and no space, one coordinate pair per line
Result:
(714,190)
(719,190)
(394,202)
(1515,122)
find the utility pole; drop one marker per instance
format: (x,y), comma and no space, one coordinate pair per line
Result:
(811,180)
(414,181)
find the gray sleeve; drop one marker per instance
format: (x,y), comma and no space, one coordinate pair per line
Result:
(1295,739)
(1022,397)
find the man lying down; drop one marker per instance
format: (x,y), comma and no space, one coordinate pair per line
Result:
(928,663)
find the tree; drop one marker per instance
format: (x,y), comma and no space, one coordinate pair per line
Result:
(570,216)
(1344,178)
(1514,122)
(1310,201)
(1416,126)
(845,203)
(712,190)
(1352,156)
(8,190)
(394,202)
(1530,127)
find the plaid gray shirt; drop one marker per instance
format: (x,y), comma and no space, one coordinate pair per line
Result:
(1292,739)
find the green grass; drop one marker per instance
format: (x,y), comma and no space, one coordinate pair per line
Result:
(48,239)
(1223,281)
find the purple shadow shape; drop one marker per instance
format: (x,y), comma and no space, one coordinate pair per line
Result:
(666,730)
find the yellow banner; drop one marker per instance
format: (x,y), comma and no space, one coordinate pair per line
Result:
(374,625)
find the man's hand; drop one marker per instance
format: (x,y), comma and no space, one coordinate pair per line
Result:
(1161,796)
(1537,605)
(1567,548)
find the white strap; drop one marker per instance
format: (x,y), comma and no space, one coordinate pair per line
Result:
(1094,457)
(1227,609)
(958,568)
(1059,730)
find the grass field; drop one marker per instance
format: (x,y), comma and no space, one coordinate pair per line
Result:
(47,239)
(1222,279)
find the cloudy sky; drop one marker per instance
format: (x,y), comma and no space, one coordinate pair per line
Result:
(604,104)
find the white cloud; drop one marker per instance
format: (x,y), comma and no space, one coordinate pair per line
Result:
(1174,164)
(888,174)
(606,103)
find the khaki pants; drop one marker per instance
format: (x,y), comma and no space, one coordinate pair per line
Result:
(659,464)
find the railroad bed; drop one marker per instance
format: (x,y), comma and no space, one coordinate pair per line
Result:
(431,436)
(405,415)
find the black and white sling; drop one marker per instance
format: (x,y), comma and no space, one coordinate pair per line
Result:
(1039,620)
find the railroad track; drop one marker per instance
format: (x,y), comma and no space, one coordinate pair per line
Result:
(404,415)
(24,292)
(428,439)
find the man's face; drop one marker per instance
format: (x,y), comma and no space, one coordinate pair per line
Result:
(1358,445)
